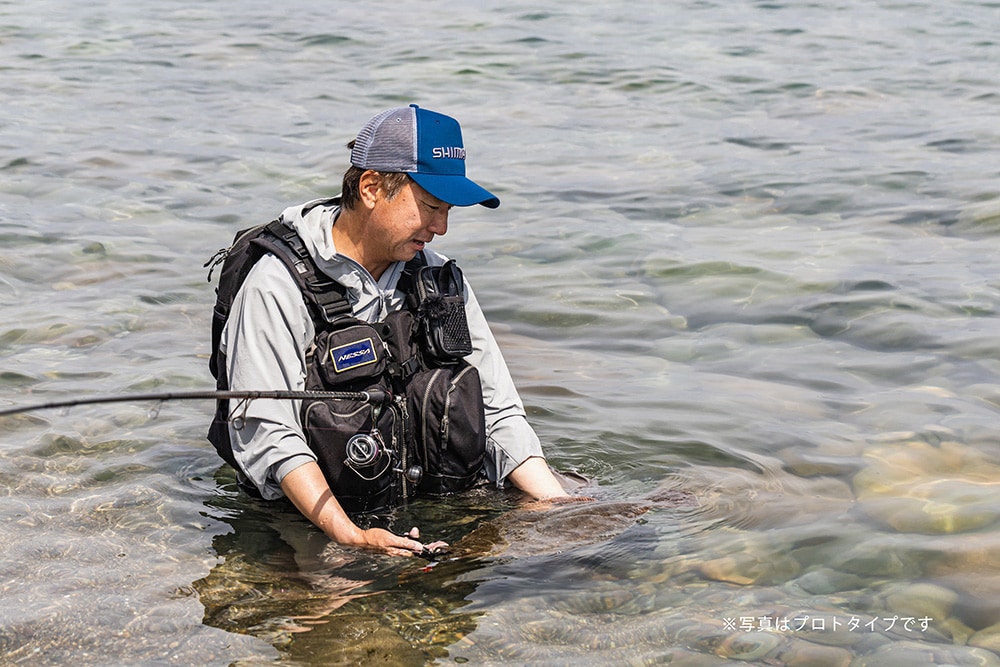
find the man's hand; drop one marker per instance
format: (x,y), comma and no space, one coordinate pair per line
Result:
(309,492)
(390,543)
(400,545)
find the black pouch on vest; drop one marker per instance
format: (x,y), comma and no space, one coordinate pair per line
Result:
(445,407)
(445,412)
(349,355)
(358,445)
(440,309)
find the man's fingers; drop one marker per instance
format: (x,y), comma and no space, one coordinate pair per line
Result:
(399,552)
(409,545)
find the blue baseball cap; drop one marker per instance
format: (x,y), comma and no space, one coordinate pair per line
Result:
(426,145)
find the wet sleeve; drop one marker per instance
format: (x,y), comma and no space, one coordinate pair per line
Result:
(510,439)
(266,338)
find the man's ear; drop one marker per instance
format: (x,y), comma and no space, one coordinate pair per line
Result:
(369,186)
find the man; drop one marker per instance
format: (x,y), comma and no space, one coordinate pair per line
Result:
(407,173)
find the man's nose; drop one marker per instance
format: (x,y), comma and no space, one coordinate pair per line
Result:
(439,223)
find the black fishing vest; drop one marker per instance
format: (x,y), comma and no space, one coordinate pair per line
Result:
(425,432)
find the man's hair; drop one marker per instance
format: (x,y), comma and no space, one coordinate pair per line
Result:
(350,193)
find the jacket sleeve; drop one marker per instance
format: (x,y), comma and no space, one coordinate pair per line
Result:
(266,338)
(510,439)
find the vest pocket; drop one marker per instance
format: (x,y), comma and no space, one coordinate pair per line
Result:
(449,427)
(440,310)
(350,354)
(368,485)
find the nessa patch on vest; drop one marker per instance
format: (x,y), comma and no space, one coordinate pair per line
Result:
(353,355)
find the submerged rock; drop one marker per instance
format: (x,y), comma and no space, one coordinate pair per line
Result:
(969,564)
(806,654)
(825,580)
(915,487)
(987,638)
(748,645)
(921,600)
(878,558)
(910,654)
(751,567)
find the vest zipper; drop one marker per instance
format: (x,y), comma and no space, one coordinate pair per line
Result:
(400,445)
(445,422)
(424,422)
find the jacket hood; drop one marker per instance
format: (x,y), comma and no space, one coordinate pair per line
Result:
(314,222)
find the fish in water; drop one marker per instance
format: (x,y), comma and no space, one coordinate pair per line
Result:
(548,527)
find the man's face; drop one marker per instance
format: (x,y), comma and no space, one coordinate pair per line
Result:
(400,227)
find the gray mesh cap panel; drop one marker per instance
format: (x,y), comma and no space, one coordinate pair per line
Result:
(388,142)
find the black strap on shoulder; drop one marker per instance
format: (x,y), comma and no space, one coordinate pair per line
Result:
(406,284)
(327,297)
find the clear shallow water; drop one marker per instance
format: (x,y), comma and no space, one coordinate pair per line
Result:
(745,255)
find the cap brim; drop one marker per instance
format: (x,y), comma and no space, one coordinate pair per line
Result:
(456,190)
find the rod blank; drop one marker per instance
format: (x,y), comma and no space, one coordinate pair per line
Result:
(373,396)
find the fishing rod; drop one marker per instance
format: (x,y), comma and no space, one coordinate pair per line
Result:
(375,397)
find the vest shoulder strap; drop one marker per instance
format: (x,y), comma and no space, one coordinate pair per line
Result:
(326,298)
(406,283)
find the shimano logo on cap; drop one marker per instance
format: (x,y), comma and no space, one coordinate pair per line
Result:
(454,152)
(353,355)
